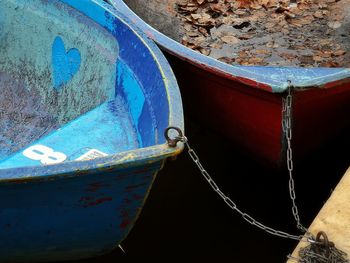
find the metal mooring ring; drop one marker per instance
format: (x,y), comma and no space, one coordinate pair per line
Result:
(173,142)
(324,242)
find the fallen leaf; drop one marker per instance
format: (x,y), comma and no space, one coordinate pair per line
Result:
(339,52)
(230,39)
(334,24)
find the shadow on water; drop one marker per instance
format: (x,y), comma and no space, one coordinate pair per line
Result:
(184,219)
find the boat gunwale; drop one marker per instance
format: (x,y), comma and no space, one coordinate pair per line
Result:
(116,162)
(243,74)
(122,160)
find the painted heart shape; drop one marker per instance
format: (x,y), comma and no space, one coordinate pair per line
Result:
(65,63)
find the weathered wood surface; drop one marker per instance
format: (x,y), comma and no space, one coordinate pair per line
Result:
(334,218)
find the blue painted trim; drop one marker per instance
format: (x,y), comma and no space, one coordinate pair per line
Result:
(96,10)
(275,77)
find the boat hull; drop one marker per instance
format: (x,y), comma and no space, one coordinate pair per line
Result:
(248,117)
(71,218)
(252,118)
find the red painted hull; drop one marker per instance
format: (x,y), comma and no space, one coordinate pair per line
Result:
(252,118)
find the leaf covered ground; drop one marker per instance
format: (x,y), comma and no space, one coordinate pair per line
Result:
(306,33)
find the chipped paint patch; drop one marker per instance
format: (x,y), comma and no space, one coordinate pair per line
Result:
(89,201)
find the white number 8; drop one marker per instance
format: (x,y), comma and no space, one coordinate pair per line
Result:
(44,154)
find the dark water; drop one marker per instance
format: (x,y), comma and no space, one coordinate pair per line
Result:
(183,219)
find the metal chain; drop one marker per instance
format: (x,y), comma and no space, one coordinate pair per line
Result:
(287,129)
(323,251)
(318,250)
(231,203)
(227,200)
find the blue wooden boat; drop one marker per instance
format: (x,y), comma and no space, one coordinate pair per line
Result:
(84,102)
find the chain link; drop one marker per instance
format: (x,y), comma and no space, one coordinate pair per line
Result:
(287,130)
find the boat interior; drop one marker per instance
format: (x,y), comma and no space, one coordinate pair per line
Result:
(71,89)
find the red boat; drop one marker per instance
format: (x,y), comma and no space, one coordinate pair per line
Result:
(245,103)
